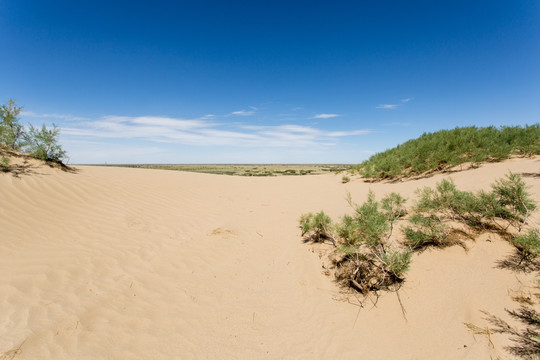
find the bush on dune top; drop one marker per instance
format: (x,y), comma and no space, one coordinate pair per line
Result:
(447,148)
(41,143)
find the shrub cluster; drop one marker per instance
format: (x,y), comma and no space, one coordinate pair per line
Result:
(448,148)
(41,143)
(507,204)
(367,260)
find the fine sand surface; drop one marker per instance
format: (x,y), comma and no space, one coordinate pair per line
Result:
(118,263)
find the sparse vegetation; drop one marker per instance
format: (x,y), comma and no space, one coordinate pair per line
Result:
(4,164)
(425,230)
(40,143)
(345,179)
(43,143)
(447,148)
(368,260)
(528,245)
(255,170)
(11,130)
(319,225)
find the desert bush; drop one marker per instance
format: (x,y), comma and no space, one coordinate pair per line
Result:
(528,245)
(393,206)
(369,262)
(397,262)
(448,148)
(40,143)
(369,223)
(11,130)
(43,143)
(509,200)
(425,230)
(319,226)
(513,198)
(4,164)
(345,179)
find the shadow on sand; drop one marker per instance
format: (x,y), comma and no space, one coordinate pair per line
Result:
(527,339)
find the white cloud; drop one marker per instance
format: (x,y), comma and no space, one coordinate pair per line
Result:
(245,112)
(325,116)
(394,106)
(202,132)
(52,116)
(387,106)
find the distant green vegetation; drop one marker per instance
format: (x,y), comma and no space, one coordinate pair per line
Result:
(249,169)
(447,148)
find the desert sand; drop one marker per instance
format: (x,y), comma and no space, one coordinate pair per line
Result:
(118,263)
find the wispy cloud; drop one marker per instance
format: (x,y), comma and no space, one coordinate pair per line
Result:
(325,116)
(53,116)
(387,106)
(203,132)
(394,106)
(245,112)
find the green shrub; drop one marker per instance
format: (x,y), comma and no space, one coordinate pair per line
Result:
(509,200)
(368,262)
(528,245)
(345,179)
(514,199)
(40,143)
(448,148)
(4,164)
(11,131)
(318,225)
(393,206)
(397,262)
(43,143)
(426,230)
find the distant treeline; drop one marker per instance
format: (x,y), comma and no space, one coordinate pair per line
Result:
(447,148)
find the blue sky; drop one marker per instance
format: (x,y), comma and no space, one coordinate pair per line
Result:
(266,81)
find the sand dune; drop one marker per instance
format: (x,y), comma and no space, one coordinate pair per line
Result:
(117,263)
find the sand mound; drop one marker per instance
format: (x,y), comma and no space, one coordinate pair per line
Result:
(118,263)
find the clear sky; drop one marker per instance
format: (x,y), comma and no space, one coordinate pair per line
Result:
(265,81)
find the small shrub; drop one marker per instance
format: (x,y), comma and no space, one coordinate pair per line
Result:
(370,223)
(367,262)
(40,143)
(11,130)
(393,206)
(319,225)
(509,200)
(426,230)
(397,262)
(43,143)
(513,197)
(528,245)
(345,179)
(4,164)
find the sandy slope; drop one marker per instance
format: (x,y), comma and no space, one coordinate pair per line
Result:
(115,263)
